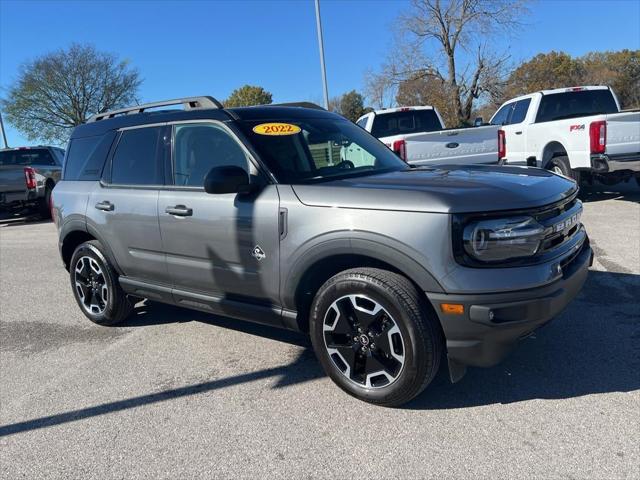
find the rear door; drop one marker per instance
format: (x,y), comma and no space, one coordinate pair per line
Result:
(123,207)
(225,247)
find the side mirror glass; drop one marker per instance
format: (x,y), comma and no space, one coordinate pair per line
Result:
(227,179)
(478,122)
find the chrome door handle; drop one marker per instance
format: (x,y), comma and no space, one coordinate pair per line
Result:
(179,210)
(106,206)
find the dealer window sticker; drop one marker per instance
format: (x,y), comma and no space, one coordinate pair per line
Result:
(276,129)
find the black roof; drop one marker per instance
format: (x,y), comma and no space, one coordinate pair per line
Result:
(263,112)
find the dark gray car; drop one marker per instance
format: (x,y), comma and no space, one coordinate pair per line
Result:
(27,177)
(297,218)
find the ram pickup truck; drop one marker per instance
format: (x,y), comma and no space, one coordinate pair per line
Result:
(578,132)
(297,218)
(27,177)
(419,137)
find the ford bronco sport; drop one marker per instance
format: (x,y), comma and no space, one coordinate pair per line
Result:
(295,217)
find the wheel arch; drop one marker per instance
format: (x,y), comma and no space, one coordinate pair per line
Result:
(552,149)
(321,263)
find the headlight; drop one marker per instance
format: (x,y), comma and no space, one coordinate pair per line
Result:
(503,239)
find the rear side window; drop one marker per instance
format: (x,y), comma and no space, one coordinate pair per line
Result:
(28,156)
(87,156)
(575,104)
(136,160)
(362,123)
(502,116)
(400,123)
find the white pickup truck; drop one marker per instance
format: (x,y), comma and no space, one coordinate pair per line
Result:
(418,136)
(578,132)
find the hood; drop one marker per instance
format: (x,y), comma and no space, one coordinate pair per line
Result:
(442,189)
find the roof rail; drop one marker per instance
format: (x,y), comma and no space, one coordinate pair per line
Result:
(189,103)
(296,104)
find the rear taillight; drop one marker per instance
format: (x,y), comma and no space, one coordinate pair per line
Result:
(30,177)
(400,148)
(598,136)
(502,145)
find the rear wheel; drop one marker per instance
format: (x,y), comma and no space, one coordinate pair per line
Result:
(561,166)
(95,286)
(375,335)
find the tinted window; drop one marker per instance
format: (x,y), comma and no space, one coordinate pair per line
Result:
(136,159)
(399,123)
(502,117)
(87,156)
(324,149)
(519,111)
(200,147)
(362,122)
(575,104)
(28,156)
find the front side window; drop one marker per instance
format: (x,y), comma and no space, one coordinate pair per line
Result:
(136,159)
(362,123)
(198,148)
(322,149)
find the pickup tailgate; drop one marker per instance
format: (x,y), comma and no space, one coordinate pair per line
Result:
(463,146)
(623,133)
(12,179)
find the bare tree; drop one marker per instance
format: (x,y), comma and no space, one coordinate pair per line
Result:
(461,32)
(60,90)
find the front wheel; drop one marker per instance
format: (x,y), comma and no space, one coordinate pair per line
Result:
(95,286)
(375,335)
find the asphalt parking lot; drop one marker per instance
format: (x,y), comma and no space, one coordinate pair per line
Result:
(179,394)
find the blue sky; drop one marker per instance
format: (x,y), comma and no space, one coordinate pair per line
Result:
(185,48)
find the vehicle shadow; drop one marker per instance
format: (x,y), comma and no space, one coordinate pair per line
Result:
(598,192)
(14,219)
(592,347)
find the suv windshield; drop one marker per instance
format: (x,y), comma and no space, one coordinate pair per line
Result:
(401,123)
(323,149)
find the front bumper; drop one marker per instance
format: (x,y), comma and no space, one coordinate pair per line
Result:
(615,163)
(491,324)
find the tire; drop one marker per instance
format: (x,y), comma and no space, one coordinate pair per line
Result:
(561,166)
(44,204)
(95,286)
(389,310)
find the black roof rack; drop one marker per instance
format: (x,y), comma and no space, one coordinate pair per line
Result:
(189,103)
(295,104)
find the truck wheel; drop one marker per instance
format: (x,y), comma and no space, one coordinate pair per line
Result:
(375,335)
(44,204)
(561,166)
(95,286)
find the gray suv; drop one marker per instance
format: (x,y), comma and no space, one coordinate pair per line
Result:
(295,217)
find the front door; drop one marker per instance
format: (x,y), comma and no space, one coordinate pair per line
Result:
(221,249)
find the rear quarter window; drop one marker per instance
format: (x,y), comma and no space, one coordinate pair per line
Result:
(27,156)
(86,157)
(402,123)
(558,106)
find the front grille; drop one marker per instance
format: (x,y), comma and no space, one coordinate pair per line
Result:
(561,222)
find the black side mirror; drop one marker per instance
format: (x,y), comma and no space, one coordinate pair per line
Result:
(227,179)
(478,122)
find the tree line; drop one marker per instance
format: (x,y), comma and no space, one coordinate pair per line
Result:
(444,55)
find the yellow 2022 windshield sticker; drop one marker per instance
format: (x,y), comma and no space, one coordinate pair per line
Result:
(276,129)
